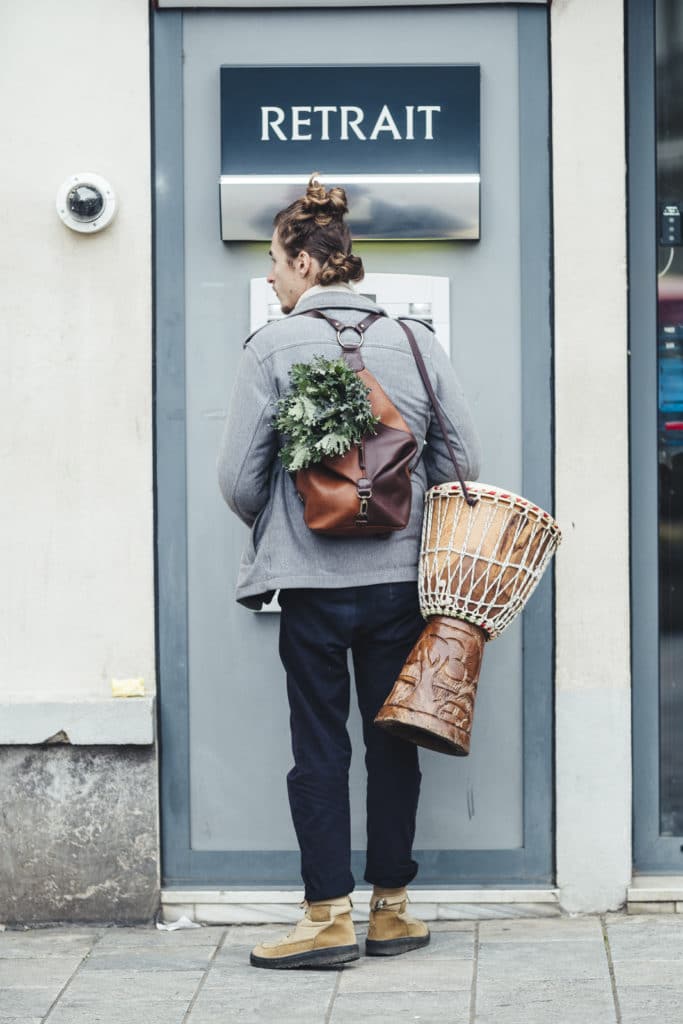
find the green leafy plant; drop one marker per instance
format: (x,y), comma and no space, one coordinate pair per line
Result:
(325,411)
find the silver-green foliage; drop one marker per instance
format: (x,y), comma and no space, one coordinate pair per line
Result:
(325,411)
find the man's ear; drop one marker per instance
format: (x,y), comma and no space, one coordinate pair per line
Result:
(303,263)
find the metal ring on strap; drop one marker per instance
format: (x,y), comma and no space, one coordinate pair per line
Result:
(350,327)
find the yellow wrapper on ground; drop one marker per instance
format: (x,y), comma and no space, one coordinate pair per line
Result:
(128,688)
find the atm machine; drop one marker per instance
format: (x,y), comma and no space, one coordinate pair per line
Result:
(418,295)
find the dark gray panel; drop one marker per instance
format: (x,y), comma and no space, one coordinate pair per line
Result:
(257,869)
(537,423)
(169,424)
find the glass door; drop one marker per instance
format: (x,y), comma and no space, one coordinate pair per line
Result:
(656,273)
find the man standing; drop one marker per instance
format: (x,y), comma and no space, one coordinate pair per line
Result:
(338,594)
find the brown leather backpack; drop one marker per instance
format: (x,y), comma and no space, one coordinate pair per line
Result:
(366,492)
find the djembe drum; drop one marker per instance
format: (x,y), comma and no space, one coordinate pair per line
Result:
(479,563)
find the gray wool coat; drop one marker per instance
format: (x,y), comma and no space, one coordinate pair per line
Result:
(281,551)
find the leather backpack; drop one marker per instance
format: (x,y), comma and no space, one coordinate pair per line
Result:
(367,491)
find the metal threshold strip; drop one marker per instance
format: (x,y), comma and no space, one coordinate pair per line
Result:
(261,906)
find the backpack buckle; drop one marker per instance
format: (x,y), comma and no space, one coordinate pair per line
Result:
(364,489)
(350,327)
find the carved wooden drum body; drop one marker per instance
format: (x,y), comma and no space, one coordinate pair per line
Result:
(478,566)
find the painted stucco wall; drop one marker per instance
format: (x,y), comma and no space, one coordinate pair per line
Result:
(76,543)
(593,710)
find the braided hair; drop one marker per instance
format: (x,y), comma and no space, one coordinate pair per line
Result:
(315,223)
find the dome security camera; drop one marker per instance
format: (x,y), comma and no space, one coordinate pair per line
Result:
(86,203)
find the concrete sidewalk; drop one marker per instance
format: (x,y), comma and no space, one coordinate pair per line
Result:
(587,970)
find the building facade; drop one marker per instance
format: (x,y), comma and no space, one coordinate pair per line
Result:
(120,558)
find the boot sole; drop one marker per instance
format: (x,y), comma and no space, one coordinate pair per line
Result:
(392,947)
(332,957)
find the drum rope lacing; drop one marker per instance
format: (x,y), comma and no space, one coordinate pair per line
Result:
(481,564)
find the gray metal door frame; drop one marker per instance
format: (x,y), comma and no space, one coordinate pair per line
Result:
(652,852)
(528,866)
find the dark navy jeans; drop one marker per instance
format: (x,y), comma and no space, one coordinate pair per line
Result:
(379,625)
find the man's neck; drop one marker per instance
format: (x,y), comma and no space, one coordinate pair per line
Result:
(317,289)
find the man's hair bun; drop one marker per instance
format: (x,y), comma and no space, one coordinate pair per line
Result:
(324,205)
(341,266)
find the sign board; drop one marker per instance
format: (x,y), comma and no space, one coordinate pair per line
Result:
(402,140)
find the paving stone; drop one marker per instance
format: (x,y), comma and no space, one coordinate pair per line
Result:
(256,996)
(250,934)
(420,1007)
(542,930)
(402,974)
(153,938)
(146,986)
(20,1020)
(27,1002)
(238,1008)
(445,945)
(257,982)
(531,971)
(122,1011)
(536,961)
(660,930)
(239,942)
(188,959)
(668,973)
(642,947)
(568,1001)
(46,942)
(234,957)
(650,1004)
(41,973)
(452,926)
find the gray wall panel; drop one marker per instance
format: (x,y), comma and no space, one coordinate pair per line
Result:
(236,685)
(235,743)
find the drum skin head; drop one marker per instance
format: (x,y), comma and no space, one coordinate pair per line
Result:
(481,563)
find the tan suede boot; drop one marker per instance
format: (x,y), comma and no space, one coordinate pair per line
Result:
(391,930)
(324,937)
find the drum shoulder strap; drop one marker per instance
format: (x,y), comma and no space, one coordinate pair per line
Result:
(414,347)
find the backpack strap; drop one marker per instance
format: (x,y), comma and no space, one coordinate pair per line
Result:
(350,351)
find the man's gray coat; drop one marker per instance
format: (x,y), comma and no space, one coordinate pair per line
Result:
(281,551)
